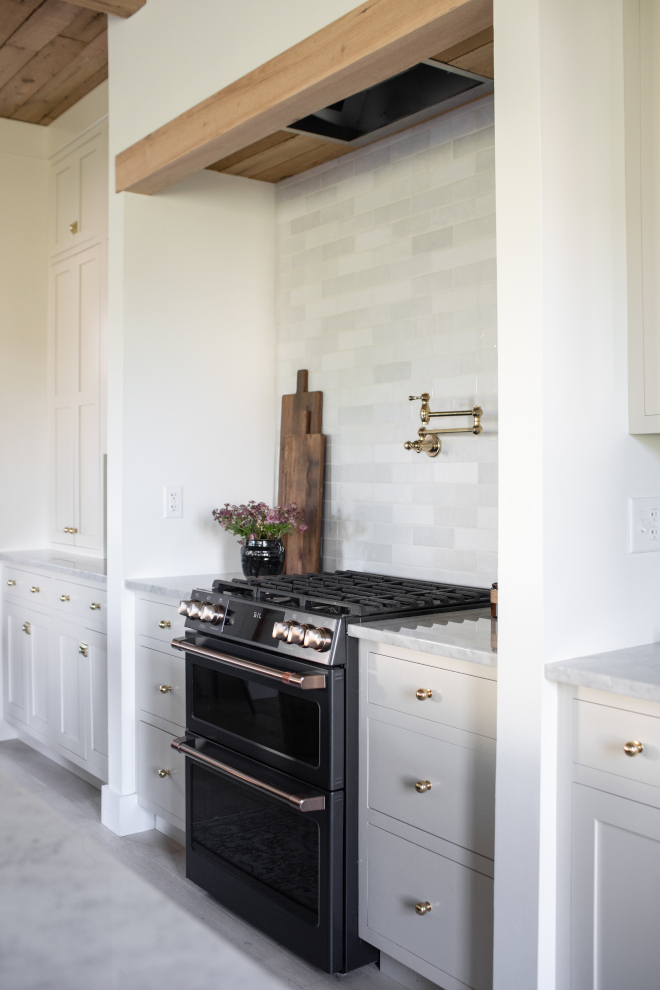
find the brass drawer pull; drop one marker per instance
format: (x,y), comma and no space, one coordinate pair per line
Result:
(164,688)
(423,693)
(423,907)
(70,529)
(11,583)
(73,227)
(422,786)
(27,628)
(633,748)
(34,589)
(65,598)
(94,606)
(164,773)
(164,624)
(84,649)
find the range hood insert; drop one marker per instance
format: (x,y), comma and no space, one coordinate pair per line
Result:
(426,90)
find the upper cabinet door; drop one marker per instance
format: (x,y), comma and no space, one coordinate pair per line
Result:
(80,193)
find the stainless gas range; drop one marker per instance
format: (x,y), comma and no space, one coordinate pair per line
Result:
(271,748)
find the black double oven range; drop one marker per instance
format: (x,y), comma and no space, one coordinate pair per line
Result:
(271,748)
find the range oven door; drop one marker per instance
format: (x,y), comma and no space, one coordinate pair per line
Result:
(268,847)
(281,712)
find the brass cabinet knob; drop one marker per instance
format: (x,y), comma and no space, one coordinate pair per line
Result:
(164,773)
(73,227)
(65,598)
(422,786)
(94,606)
(27,628)
(70,529)
(84,649)
(164,624)
(633,748)
(11,583)
(164,688)
(423,693)
(423,907)
(34,589)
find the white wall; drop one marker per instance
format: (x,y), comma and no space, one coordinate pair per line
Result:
(23,285)
(568,585)
(386,288)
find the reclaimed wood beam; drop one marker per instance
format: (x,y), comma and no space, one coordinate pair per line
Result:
(373,42)
(122,8)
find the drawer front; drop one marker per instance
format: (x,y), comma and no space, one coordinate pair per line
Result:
(34,588)
(460,804)
(456,935)
(155,753)
(153,619)
(156,671)
(460,700)
(600,733)
(78,601)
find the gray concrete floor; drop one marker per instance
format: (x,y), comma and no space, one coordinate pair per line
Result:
(161,861)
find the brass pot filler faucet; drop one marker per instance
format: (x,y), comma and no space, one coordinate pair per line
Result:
(428,439)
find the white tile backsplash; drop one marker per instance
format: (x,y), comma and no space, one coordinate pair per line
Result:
(386,288)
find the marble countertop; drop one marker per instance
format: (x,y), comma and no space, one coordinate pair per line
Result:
(60,562)
(72,917)
(178,586)
(634,672)
(468,635)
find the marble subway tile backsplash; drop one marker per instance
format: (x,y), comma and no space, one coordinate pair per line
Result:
(385,289)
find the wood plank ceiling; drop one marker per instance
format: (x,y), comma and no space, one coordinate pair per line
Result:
(53,52)
(283,154)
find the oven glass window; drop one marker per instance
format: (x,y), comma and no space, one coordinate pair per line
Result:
(257,835)
(283,722)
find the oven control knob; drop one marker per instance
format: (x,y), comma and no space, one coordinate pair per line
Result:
(298,632)
(319,639)
(184,606)
(194,610)
(281,630)
(211,613)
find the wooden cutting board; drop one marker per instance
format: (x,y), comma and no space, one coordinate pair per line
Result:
(302,455)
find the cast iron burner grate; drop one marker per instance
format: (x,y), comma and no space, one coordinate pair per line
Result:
(355,593)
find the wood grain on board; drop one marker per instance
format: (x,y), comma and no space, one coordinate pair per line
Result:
(368,44)
(121,8)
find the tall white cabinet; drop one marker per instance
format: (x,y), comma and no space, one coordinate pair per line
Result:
(76,341)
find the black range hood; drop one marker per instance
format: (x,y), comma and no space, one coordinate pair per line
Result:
(425,90)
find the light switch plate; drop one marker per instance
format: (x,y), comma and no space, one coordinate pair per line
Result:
(644,524)
(173,501)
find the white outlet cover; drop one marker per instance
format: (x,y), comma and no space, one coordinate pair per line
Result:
(644,524)
(173,501)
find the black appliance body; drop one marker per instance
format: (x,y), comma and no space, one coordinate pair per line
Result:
(271,748)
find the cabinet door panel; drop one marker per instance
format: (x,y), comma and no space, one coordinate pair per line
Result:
(64,474)
(93,177)
(67,205)
(71,676)
(65,316)
(80,193)
(97,706)
(89,322)
(616,892)
(89,475)
(155,753)
(38,714)
(16,658)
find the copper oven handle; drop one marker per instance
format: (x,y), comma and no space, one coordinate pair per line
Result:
(316,803)
(306,682)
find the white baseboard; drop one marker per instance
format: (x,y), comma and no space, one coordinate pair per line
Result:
(53,755)
(403,975)
(7,731)
(122,814)
(171,830)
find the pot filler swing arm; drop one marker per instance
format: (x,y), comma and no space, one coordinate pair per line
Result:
(429,441)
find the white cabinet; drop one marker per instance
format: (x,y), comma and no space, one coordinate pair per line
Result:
(26,682)
(69,669)
(427,809)
(79,193)
(16,662)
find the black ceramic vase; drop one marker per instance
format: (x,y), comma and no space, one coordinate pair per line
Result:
(262,558)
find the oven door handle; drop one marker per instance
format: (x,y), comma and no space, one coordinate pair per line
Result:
(316,803)
(306,682)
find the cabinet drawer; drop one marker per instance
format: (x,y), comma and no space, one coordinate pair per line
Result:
(34,588)
(157,670)
(459,806)
(600,733)
(456,935)
(155,753)
(460,700)
(152,619)
(80,601)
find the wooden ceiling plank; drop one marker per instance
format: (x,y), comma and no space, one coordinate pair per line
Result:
(326,153)
(83,89)
(365,46)
(44,24)
(481,61)
(52,57)
(275,156)
(12,15)
(121,8)
(251,150)
(92,58)
(86,26)
(463,47)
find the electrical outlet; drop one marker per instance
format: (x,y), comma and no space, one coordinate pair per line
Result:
(174,501)
(644,524)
